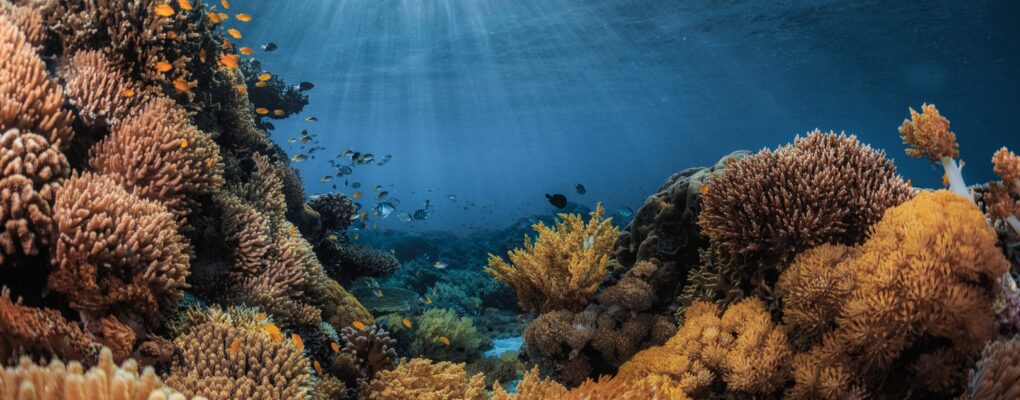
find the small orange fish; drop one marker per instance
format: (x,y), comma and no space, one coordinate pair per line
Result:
(235,346)
(202,56)
(184,144)
(705,188)
(210,162)
(223,16)
(181,85)
(279,113)
(335,347)
(358,325)
(230,60)
(214,17)
(225,4)
(261,111)
(945,179)
(262,316)
(407,324)
(163,66)
(294,338)
(243,17)
(171,35)
(444,340)
(247,51)
(128,93)
(318,367)
(265,76)
(164,10)
(234,32)
(241,89)
(274,332)
(184,4)
(356,195)
(260,84)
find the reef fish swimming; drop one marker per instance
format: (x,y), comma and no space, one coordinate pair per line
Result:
(557,200)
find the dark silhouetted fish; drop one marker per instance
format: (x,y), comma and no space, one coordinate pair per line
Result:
(580,189)
(557,200)
(269,46)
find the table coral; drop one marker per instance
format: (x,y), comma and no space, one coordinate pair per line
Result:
(32,170)
(563,267)
(115,252)
(766,208)
(422,380)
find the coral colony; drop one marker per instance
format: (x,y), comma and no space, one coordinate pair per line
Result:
(155,244)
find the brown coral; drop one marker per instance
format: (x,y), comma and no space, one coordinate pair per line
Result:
(31,170)
(563,267)
(997,374)
(159,155)
(422,380)
(29,100)
(822,188)
(228,355)
(99,90)
(928,135)
(28,381)
(115,252)
(28,330)
(28,20)
(363,353)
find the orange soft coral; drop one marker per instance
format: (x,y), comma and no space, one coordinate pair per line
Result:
(1000,203)
(1007,166)
(563,267)
(813,289)
(927,134)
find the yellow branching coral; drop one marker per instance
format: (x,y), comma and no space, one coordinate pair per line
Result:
(107,381)
(100,91)
(29,100)
(563,267)
(422,380)
(227,355)
(927,134)
(30,174)
(159,155)
(115,252)
(997,374)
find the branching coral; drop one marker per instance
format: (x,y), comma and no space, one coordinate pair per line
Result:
(31,171)
(1001,205)
(159,155)
(335,209)
(272,94)
(99,90)
(823,188)
(563,267)
(422,380)
(28,20)
(108,381)
(29,101)
(997,374)
(231,354)
(29,330)
(927,134)
(345,262)
(462,341)
(364,353)
(813,288)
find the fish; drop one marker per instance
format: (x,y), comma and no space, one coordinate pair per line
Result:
(318,367)
(262,111)
(440,265)
(305,86)
(164,10)
(163,66)
(705,188)
(378,187)
(356,195)
(225,4)
(182,85)
(223,16)
(202,56)
(444,340)
(356,185)
(384,209)
(298,158)
(269,47)
(382,195)
(241,89)
(226,45)
(236,34)
(279,113)
(171,35)
(407,324)
(265,76)
(557,200)
(580,189)
(356,236)
(421,215)
(243,17)
(128,93)
(625,212)
(291,140)
(214,17)
(311,119)
(274,332)
(334,346)
(358,325)
(378,293)
(261,316)
(428,300)
(406,217)
(230,60)
(184,5)
(452,197)
(247,51)
(184,144)
(326,178)
(260,84)
(296,339)
(346,170)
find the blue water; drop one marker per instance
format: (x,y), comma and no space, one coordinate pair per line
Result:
(499,102)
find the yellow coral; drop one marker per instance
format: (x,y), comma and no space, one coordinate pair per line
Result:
(928,135)
(420,379)
(563,267)
(813,289)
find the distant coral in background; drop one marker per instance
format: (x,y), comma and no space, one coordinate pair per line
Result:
(272,94)
(563,267)
(336,210)
(421,379)
(116,253)
(345,262)
(107,381)
(230,354)
(822,188)
(99,90)
(441,335)
(997,374)
(32,170)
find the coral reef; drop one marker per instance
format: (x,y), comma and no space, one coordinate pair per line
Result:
(441,335)
(32,173)
(273,93)
(392,300)
(997,374)
(927,134)
(363,353)
(28,330)
(563,267)
(424,380)
(502,369)
(99,90)
(345,262)
(336,210)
